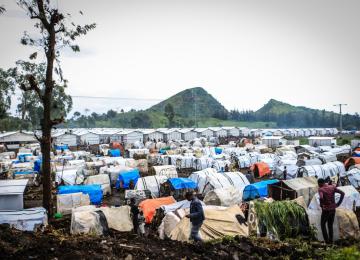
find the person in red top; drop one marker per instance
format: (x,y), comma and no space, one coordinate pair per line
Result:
(328,206)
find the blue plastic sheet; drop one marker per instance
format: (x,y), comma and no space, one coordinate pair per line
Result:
(257,190)
(124,178)
(182,183)
(37,165)
(61,147)
(23,172)
(94,191)
(114,153)
(22,157)
(218,150)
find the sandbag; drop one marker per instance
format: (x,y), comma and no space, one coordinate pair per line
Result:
(66,202)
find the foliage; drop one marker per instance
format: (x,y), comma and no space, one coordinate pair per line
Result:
(30,106)
(286,115)
(191,103)
(283,218)
(6,90)
(347,253)
(169,114)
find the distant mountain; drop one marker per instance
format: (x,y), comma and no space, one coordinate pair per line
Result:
(210,112)
(190,101)
(286,115)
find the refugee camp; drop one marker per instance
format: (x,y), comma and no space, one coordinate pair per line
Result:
(151,129)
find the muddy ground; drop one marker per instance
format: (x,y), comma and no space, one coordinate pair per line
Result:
(55,242)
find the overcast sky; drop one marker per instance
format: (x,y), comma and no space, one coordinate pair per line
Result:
(243,52)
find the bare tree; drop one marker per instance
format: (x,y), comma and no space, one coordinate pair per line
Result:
(56,31)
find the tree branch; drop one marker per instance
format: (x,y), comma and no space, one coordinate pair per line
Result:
(57,121)
(33,86)
(37,137)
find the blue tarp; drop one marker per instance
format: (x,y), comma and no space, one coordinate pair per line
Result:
(24,172)
(61,147)
(114,153)
(37,165)
(125,178)
(182,183)
(162,151)
(22,157)
(218,150)
(94,191)
(257,190)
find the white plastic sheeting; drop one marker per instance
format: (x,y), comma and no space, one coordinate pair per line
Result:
(25,220)
(224,197)
(66,202)
(351,199)
(354,177)
(166,170)
(103,180)
(323,171)
(209,179)
(151,183)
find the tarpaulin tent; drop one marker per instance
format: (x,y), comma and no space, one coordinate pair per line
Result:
(354,177)
(66,202)
(257,190)
(218,150)
(177,187)
(294,188)
(182,183)
(260,169)
(164,170)
(125,178)
(151,183)
(351,199)
(224,197)
(345,225)
(88,219)
(209,179)
(26,219)
(63,147)
(351,161)
(150,206)
(219,222)
(94,191)
(114,153)
(101,179)
(330,169)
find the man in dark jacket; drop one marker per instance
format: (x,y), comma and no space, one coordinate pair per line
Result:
(196,216)
(328,206)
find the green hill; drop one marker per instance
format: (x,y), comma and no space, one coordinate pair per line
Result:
(190,103)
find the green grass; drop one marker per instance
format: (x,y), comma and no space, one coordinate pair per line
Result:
(347,253)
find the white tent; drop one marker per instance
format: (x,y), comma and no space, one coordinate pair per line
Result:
(225,197)
(351,199)
(330,169)
(354,177)
(209,179)
(151,183)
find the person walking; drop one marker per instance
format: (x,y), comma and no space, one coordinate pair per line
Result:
(196,216)
(328,206)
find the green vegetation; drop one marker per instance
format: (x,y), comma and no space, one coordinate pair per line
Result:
(283,218)
(347,253)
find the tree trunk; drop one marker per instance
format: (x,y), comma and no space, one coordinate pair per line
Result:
(47,124)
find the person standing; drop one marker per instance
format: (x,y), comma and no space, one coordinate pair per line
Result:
(328,206)
(196,216)
(285,173)
(135,214)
